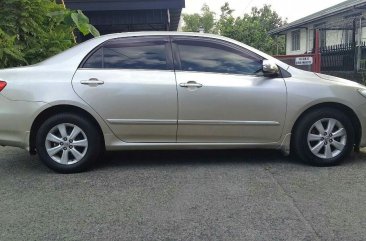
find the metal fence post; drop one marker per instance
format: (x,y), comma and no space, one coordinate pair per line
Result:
(317,56)
(358,60)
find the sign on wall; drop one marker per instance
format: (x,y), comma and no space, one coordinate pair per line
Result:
(304,61)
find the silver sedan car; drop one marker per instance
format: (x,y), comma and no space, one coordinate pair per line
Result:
(162,90)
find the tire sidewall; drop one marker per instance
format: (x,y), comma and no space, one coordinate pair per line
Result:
(94,143)
(301,134)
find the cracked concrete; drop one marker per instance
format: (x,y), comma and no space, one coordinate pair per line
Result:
(183,195)
(293,201)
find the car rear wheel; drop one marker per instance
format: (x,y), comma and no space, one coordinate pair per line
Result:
(324,137)
(68,143)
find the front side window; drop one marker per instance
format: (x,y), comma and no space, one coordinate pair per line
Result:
(207,56)
(129,54)
(295,35)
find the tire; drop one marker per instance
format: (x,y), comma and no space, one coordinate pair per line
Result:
(73,151)
(323,149)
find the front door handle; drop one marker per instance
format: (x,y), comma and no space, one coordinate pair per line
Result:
(191,84)
(92,82)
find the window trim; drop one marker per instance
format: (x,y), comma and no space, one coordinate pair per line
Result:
(177,59)
(142,39)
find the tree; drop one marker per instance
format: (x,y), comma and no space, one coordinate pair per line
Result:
(267,17)
(205,20)
(226,23)
(32,30)
(251,29)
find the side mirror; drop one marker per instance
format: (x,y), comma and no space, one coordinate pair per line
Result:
(270,69)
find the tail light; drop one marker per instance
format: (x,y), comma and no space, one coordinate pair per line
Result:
(2,85)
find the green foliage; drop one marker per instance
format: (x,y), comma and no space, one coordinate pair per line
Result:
(76,20)
(10,53)
(205,20)
(251,29)
(33,30)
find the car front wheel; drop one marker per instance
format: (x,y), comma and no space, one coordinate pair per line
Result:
(324,137)
(68,143)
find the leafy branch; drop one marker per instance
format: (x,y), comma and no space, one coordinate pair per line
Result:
(76,20)
(33,30)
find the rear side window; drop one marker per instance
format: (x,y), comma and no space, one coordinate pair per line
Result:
(207,56)
(95,60)
(130,54)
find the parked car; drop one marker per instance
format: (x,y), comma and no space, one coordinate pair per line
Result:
(165,90)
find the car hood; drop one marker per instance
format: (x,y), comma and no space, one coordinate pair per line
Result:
(323,78)
(339,80)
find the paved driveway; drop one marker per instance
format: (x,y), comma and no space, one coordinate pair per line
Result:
(192,195)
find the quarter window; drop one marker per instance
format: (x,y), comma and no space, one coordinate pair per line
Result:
(207,56)
(95,61)
(127,54)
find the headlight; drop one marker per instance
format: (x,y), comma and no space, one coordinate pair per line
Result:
(362,92)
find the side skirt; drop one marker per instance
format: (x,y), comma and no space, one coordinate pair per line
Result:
(114,144)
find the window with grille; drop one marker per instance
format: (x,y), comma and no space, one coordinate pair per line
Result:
(295,35)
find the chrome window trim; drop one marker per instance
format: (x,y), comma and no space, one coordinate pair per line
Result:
(229,74)
(164,70)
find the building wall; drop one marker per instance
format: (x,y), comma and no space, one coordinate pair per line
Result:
(339,36)
(303,37)
(333,37)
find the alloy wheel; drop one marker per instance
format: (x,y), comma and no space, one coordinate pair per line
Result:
(327,138)
(66,143)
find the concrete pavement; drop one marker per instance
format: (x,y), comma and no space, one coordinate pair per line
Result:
(183,195)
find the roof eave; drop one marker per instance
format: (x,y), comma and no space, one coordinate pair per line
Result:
(282,30)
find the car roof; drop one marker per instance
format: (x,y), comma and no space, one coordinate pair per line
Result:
(165,33)
(162,33)
(74,56)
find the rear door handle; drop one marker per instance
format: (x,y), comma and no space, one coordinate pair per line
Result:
(92,81)
(192,84)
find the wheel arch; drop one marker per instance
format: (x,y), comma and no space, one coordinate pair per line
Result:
(344,108)
(57,109)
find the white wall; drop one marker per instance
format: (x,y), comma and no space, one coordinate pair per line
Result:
(339,36)
(363,39)
(334,37)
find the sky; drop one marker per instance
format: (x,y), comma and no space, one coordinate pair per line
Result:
(290,9)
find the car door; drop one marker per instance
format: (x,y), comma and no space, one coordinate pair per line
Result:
(130,83)
(222,95)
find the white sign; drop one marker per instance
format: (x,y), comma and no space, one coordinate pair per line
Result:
(304,61)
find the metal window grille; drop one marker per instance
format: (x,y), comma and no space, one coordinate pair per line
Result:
(295,40)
